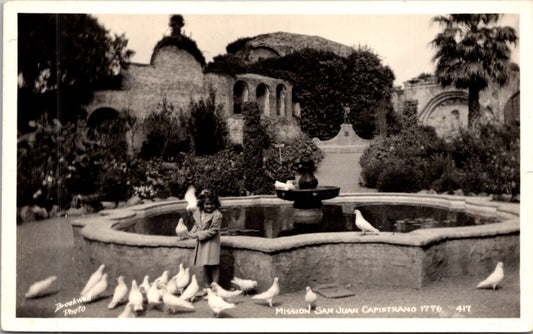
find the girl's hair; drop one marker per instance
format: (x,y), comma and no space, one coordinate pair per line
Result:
(208,194)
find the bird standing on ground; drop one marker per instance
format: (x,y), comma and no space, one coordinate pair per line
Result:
(163,279)
(244,284)
(128,312)
(223,293)
(145,285)
(173,302)
(154,294)
(95,278)
(183,281)
(98,289)
(310,298)
(191,290)
(268,295)
(216,303)
(119,296)
(135,297)
(190,198)
(181,271)
(40,288)
(363,225)
(171,286)
(493,279)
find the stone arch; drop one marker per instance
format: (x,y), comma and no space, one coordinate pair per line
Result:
(511,111)
(240,96)
(262,96)
(430,107)
(281,95)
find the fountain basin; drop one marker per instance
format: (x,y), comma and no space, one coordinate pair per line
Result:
(308,198)
(390,259)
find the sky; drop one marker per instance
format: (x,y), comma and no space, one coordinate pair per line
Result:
(402,41)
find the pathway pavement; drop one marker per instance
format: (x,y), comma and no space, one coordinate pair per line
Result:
(45,248)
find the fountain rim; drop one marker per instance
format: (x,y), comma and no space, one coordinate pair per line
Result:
(103,227)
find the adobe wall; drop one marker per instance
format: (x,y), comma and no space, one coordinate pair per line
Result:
(176,77)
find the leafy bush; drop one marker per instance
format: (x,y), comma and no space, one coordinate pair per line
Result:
(207,126)
(255,141)
(296,145)
(482,160)
(490,158)
(165,136)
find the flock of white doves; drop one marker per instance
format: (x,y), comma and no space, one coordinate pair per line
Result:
(180,291)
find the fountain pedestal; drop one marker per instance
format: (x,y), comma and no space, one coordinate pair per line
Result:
(308,196)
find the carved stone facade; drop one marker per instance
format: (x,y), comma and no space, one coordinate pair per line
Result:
(446,109)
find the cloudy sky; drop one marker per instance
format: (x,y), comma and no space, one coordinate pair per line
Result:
(402,41)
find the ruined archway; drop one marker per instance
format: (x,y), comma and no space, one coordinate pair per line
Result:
(262,96)
(281,93)
(240,96)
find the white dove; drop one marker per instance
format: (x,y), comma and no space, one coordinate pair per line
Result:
(171,286)
(223,293)
(128,312)
(98,289)
(493,279)
(244,284)
(40,288)
(310,298)
(363,225)
(154,294)
(145,285)
(135,297)
(95,278)
(180,272)
(216,303)
(284,186)
(192,289)
(119,296)
(183,281)
(268,295)
(163,279)
(190,197)
(181,229)
(172,301)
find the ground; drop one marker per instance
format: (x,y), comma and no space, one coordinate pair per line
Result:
(45,248)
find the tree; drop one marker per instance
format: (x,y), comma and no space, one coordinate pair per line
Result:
(62,60)
(471,53)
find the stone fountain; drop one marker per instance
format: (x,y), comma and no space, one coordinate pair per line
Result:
(308,195)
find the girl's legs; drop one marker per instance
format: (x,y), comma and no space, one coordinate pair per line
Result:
(212,273)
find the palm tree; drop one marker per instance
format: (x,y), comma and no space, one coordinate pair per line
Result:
(471,53)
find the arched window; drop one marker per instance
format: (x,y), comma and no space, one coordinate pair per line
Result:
(262,96)
(240,96)
(281,93)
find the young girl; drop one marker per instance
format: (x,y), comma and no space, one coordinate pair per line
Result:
(206,231)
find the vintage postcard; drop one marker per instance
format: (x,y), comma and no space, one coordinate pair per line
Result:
(266,166)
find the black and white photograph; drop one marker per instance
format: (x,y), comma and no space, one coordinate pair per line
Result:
(266,166)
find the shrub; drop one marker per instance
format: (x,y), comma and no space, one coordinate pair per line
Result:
(255,141)
(400,175)
(165,136)
(207,126)
(296,145)
(221,172)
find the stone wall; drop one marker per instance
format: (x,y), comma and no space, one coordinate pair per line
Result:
(177,78)
(435,104)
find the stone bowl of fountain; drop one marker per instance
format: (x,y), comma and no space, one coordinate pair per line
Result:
(308,195)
